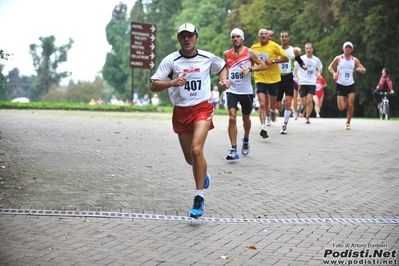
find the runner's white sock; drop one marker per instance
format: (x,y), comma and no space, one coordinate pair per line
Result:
(287,114)
(199,193)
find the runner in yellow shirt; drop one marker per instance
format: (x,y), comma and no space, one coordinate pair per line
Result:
(267,80)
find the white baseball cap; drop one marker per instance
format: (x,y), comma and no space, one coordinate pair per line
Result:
(346,44)
(187,27)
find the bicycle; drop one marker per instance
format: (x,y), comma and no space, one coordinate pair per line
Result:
(383,108)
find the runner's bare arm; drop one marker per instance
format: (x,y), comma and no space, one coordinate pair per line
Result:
(160,85)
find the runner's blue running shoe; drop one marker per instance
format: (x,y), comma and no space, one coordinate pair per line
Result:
(207,181)
(198,207)
(233,155)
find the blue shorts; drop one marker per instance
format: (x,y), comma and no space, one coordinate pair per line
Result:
(268,89)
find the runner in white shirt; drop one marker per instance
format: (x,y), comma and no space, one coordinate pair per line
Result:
(186,75)
(307,78)
(215,95)
(345,89)
(286,85)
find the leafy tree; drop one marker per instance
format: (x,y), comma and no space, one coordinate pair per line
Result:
(159,13)
(119,12)
(370,25)
(18,86)
(209,18)
(367,24)
(4,95)
(234,20)
(80,92)
(116,68)
(46,59)
(162,13)
(375,26)
(84,91)
(3,55)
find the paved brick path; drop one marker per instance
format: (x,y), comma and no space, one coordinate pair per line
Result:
(294,196)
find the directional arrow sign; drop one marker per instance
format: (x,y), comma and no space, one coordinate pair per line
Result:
(143,27)
(142,63)
(139,54)
(143,37)
(142,45)
(139,45)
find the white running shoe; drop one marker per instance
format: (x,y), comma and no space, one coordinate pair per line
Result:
(283,130)
(268,123)
(245,147)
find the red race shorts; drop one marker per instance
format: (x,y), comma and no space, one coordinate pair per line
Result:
(184,118)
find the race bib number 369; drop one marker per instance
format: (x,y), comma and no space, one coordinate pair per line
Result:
(236,75)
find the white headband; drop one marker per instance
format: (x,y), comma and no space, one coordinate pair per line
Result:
(238,32)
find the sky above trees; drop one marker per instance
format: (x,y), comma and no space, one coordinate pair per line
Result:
(23,22)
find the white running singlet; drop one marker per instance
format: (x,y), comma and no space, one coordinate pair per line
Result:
(197,69)
(239,84)
(345,71)
(288,67)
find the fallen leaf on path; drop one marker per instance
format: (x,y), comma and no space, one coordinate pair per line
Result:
(251,246)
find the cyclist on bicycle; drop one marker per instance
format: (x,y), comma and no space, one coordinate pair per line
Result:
(384,85)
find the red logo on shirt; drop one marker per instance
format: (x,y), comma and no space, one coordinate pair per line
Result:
(192,70)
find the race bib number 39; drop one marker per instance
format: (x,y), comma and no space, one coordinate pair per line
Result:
(193,88)
(285,68)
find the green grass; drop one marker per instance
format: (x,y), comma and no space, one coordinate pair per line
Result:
(82,107)
(109,108)
(88,107)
